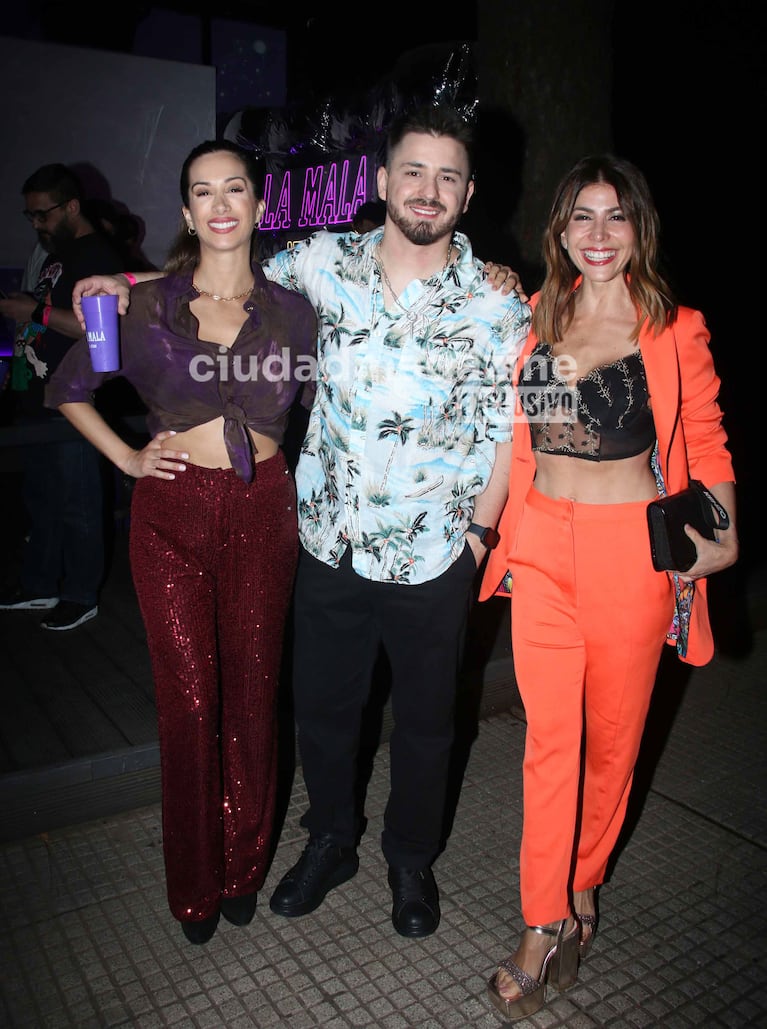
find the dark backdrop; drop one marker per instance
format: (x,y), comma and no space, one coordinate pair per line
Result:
(690,104)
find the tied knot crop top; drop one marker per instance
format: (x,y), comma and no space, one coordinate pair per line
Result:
(604,416)
(185,381)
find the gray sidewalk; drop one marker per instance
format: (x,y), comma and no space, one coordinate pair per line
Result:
(88,940)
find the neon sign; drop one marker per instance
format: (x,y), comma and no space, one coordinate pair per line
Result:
(323,194)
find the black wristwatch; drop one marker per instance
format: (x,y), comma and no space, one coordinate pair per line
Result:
(487,537)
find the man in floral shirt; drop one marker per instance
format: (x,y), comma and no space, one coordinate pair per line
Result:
(401,480)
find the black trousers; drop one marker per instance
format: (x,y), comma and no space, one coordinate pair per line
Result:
(64,497)
(341,622)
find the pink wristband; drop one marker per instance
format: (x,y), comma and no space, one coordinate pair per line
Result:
(131,278)
(46,315)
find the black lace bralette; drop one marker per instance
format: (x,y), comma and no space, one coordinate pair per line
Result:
(605,416)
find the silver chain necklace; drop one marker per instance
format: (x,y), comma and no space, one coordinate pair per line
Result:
(387,281)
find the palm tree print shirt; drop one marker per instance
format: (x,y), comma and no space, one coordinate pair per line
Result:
(410,404)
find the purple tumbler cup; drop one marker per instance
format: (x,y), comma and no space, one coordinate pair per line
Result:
(102,329)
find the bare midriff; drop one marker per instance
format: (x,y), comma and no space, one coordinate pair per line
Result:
(205,445)
(595,482)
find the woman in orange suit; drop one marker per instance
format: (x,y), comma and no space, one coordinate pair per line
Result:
(616,404)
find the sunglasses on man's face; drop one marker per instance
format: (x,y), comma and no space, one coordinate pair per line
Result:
(41,216)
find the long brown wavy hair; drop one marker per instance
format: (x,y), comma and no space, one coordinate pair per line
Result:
(184,251)
(650,292)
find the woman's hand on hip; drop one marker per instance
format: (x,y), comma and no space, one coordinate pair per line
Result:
(157,459)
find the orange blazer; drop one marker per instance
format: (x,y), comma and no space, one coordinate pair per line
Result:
(684,389)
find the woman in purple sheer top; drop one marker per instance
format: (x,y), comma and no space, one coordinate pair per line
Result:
(218,354)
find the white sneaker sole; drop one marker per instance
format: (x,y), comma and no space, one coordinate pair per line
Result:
(72,625)
(38,604)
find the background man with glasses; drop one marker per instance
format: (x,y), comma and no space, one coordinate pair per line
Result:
(63,559)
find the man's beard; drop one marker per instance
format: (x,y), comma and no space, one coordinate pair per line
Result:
(420,232)
(57,240)
(45,239)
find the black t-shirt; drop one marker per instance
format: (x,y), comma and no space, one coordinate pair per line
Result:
(38,353)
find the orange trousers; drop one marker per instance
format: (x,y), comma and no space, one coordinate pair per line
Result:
(588,623)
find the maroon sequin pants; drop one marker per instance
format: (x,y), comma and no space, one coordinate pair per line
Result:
(213,560)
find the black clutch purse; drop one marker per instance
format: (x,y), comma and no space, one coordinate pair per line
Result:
(671,547)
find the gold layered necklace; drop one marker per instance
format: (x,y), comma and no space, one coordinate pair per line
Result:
(215,296)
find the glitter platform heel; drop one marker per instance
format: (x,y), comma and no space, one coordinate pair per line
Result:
(560,969)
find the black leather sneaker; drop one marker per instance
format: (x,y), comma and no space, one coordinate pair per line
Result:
(322,866)
(415,909)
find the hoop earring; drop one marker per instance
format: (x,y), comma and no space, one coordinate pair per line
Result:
(191,230)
